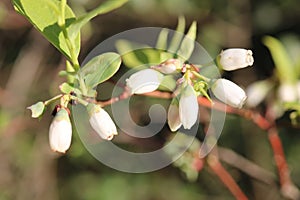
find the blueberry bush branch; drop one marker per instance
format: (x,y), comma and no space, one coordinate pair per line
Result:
(191,87)
(262,122)
(57,22)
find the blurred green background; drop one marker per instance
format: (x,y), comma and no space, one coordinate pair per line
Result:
(29,67)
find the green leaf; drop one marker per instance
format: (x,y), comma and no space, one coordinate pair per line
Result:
(37,109)
(168,83)
(188,43)
(134,54)
(292,106)
(283,64)
(292,44)
(100,69)
(162,40)
(105,7)
(43,14)
(165,56)
(67,89)
(129,57)
(175,42)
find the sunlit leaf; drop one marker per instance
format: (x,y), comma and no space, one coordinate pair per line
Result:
(188,43)
(105,7)
(162,40)
(43,14)
(175,42)
(283,63)
(100,69)
(134,55)
(165,56)
(67,89)
(292,44)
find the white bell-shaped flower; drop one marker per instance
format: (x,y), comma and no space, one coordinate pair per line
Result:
(173,116)
(257,92)
(144,81)
(229,93)
(60,132)
(188,107)
(101,122)
(288,92)
(235,58)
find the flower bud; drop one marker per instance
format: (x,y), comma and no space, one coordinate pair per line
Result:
(188,107)
(173,116)
(60,132)
(169,66)
(144,81)
(101,122)
(235,58)
(229,93)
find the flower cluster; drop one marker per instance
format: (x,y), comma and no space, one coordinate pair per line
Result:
(183,110)
(60,132)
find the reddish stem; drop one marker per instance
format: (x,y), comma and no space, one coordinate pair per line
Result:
(275,141)
(261,121)
(225,177)
(279,157)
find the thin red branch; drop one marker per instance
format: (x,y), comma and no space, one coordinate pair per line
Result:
(288,188)
(126,94)
(159,94)
(258,119)
(225,177)
(279,156)
(261,121)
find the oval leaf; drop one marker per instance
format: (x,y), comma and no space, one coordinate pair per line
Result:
(283,64)
(102,9)
(67,89)
(175,42)
(135,54)
(37,109)
(43,14)
(100,69)
(162,40)
(187,46)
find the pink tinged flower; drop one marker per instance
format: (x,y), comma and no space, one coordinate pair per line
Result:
(229,93)
(101,122)
(170,66)
(173,116)
(144,81)
(235,58)
(60,132)
(188,107)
